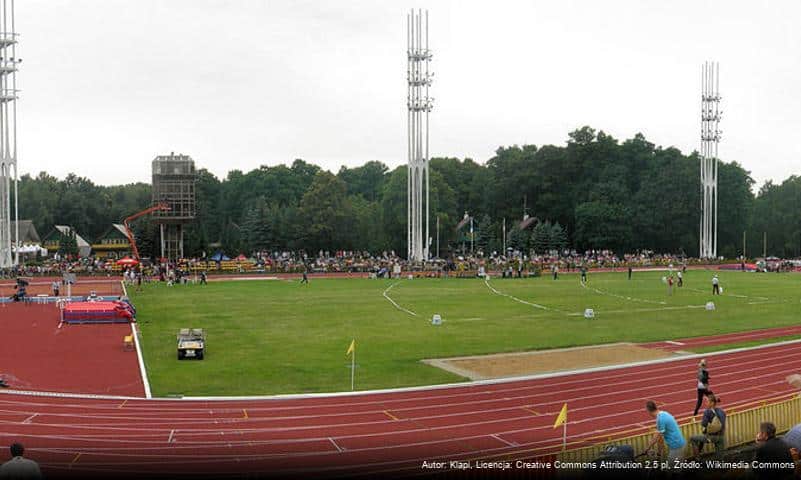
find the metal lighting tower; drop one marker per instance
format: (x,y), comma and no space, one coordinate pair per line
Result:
(710,137)
(8,135)
(419,104)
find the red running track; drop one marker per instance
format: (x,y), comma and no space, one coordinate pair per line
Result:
(724,339)
(38,354)
(368,434)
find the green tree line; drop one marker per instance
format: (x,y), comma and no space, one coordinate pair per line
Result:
(594,192)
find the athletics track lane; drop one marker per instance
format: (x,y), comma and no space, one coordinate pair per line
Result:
(38,354)
(723,339)
(378,432)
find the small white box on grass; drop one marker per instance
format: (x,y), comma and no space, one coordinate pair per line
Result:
(436,319)
(410,277)
(709,306)
(589,313)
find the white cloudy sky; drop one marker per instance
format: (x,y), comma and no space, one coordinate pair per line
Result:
(109,84)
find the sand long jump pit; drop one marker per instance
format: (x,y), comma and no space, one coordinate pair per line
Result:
(501,365)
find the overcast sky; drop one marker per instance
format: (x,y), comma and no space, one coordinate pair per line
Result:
(109,84)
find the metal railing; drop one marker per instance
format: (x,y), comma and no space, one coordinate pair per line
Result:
(742,426)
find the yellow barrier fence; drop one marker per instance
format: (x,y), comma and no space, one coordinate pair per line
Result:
(742,427)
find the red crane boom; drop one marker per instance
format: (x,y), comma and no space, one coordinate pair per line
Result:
(129,232)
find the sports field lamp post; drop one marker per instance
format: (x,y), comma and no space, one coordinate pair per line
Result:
(419,104)
(710,138)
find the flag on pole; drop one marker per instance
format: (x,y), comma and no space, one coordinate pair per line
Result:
(352,350)
(562,418)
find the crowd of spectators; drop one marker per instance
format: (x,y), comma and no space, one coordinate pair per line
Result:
(355,261)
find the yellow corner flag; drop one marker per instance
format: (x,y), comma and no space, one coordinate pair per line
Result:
(562,418)
(352,347)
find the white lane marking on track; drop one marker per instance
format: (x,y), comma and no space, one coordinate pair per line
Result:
(141,361)
(673,343)
(394,303)
(28,420)
(511,444)
(172,433)
(339,449)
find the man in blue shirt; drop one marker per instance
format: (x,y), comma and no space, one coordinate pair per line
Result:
(667,430)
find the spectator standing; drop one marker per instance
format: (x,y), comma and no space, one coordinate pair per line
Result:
(702,388)
(713,426)
(19,467)
(667,431)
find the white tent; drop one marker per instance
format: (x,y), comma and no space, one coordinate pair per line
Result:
(30,249)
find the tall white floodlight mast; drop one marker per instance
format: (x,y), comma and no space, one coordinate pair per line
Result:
(710,137)
(8,135)
(419,106)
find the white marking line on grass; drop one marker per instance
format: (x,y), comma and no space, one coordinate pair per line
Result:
(339,449)
(395,304)
(535,305)
(639,310)
(140,358)
(631,299)
(764,299)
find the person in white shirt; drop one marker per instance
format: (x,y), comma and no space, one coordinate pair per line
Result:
(19,467)
(715,285)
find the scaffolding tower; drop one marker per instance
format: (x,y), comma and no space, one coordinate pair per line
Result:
(174,179)
(9,255)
